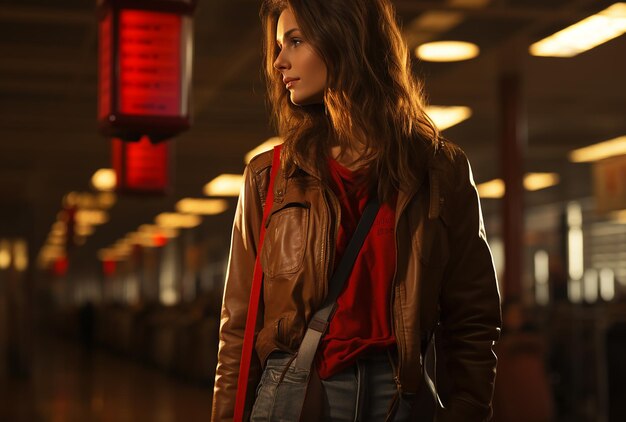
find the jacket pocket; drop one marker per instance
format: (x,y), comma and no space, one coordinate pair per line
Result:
(285,239)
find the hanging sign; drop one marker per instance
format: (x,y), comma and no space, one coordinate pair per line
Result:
(609,181)
(144,65)
(141,167)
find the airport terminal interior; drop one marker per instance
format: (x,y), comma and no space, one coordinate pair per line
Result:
(125,128)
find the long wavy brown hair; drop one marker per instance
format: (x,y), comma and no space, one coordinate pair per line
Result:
(372,96)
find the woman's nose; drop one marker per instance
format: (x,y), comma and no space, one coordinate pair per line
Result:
(280,63)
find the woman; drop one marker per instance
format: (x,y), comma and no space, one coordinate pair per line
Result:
(344,99)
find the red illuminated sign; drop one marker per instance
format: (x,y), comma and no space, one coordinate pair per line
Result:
(150,68)
(145,68)
(141,166)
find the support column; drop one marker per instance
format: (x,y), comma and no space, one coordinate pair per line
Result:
(512,142)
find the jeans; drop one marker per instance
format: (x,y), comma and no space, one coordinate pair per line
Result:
(363,392)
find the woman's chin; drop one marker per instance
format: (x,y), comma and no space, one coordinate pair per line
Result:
(296,100)
(300,100)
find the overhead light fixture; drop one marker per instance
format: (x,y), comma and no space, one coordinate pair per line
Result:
(436,21)
(146,228)
(134,237)
(70,200)
(447,51)
(108,254)
(84,230)
(177,220)
(59,228)
(151,235)
(448,116)
(140,238)
(91,217)
(201,206)
(51,252)
(56,240)
(599,151)
(265,146)
(537,181)
(584,35)
(104,180)
(20,255)
(153,229)
(532,181)
(57,233)
(491,189)
(224,185)
(5,254)
(122,250)
(80,200)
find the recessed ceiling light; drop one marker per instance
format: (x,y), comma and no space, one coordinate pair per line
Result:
(447,51)
(224,185)
(20,254)
(448,116)
(538,181)
(91,217)
(491,189)
(5,254)
(201,206)
(599,151)
(177,221)
(84,230)
(496,188)
(104,180)
(584,35)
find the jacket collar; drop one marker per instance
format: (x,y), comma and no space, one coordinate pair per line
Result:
(431,163)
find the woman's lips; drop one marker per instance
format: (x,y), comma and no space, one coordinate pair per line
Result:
(290,83)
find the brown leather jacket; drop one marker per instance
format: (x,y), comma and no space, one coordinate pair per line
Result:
(445,282)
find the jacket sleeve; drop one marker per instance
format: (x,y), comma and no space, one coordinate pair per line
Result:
(470,316)
(239,274)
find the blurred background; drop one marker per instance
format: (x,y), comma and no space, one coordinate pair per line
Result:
(125,127)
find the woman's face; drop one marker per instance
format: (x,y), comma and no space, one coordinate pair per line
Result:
(302,69)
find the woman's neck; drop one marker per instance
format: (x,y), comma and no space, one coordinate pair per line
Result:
(346,157)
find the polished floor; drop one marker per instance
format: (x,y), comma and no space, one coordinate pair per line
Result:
(69,384)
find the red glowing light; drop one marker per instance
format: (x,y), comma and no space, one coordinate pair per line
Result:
(108,267)
(141,166)
(60,266)
(150,67)
(159,240)
(144,68)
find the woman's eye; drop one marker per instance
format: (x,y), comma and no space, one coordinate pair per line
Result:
(295,41)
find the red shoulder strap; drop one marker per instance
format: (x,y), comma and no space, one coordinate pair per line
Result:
(255,294)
